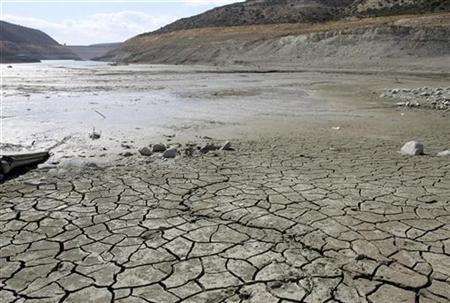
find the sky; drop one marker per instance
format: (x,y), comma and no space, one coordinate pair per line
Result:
(84,22)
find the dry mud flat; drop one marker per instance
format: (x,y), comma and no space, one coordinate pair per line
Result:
(317,207)
(311,218)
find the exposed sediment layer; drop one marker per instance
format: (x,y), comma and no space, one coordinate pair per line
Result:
(381,42)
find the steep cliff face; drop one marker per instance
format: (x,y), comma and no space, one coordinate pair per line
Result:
(288,33)
(23,44)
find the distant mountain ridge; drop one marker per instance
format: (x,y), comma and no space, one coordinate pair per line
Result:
(90,52)
(23,44)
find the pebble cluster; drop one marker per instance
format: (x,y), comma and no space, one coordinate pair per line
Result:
(427,97)
(190,149)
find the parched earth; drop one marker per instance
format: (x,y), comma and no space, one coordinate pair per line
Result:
(308,219)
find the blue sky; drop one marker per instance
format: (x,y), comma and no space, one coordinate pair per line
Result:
(85,22)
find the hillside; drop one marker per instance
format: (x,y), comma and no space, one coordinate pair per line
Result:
(253,12)
(89,52)
(23,44)
(288,33)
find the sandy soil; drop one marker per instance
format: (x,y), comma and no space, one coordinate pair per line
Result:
(314,204)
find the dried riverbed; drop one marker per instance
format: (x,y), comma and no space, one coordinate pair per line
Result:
(314,204)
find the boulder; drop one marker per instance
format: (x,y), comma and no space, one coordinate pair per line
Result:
(444,153)
(145,151)
(170,153)
(159,148)
(412,148)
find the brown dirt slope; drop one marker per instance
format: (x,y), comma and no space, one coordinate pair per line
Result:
(370,42)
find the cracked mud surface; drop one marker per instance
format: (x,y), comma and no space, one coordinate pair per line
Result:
(314,205)
(304,219)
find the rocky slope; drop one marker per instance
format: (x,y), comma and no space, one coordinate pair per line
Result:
(254,12)
(23,44)
(288,33)
(89,52)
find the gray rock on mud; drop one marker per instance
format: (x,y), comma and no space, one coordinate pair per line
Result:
(159,148)
(145,151)
(94,135)
(226,146)
(208,147)
(412,148)
(170,153)
(126,154)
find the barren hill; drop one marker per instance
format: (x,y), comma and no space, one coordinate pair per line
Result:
(292,34)
(254,12)
(89,52)
(23,44)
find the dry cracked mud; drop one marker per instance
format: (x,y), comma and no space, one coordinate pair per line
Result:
(324,219)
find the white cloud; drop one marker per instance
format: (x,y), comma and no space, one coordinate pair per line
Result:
(96,28)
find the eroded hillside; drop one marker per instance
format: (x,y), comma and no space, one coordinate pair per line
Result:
(254,12)
(408,41)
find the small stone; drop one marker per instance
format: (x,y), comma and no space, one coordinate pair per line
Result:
(91,165)
(275,285)
(159,148)
(170,153)
(145,151)
(190,151)
(412,148)
(94,135)
(245,296)
(444,153)
(226,146)
(208,147)
(126,154)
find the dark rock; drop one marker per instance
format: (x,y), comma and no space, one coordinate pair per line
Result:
(126,154)
(227,146)
(159,148)
(145,151)
(170,153)
(208,147)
